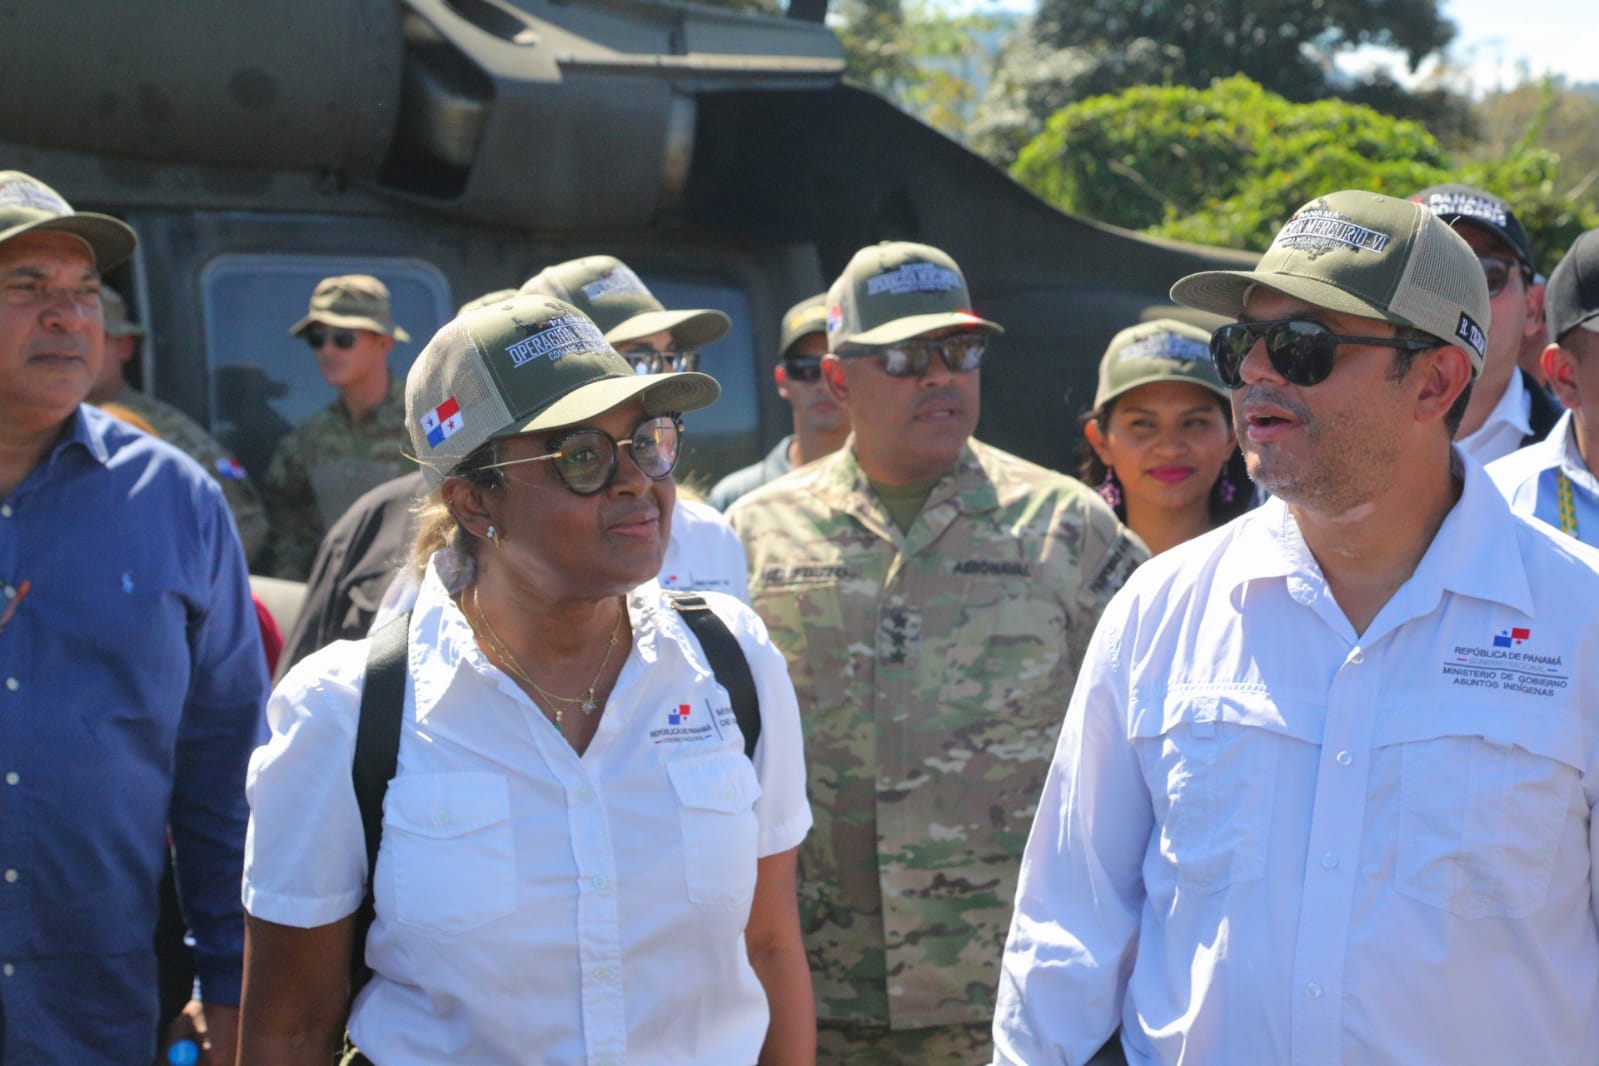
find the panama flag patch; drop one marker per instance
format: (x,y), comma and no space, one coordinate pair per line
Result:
(442,422)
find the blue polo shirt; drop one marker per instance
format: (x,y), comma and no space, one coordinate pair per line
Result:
(132,684)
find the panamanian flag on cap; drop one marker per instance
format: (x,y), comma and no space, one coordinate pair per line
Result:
(442,422)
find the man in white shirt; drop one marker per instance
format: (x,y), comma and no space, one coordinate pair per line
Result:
(1555,479)
(1324,791)
(1508,408)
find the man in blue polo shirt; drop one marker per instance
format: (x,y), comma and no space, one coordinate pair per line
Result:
(131,674)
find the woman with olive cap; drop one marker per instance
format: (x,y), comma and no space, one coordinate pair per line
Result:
(578,861)
(1159,442)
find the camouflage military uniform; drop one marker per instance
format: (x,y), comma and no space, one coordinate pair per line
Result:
(322,467)
(932,668)
(185,434)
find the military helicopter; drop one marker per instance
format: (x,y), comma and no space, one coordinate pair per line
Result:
(454,147)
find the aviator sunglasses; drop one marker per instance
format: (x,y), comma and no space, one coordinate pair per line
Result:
(1300,349)
(910,359)
(316,337)
(1496,271)
(585,459)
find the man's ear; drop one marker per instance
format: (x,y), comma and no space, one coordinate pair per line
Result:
(1445,376)
(833,374)
(387,343)
(1533,322)
(780,376)
(1560,367)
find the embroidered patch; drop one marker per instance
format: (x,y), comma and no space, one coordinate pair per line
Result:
(441,423)
(1465,203)
(1471,334)
(557,339)
(913,277)
(619,279)
(230,469)
(1165,346)
(1507,666)
(27,193)
(1318,229)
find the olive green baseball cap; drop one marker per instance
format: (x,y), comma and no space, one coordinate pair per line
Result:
(28,204)
(606,290)
(487,299)
(897,290)
(804,318)
(115,310)
(1361,253)
(351,301)
(1161,350)
(523,365)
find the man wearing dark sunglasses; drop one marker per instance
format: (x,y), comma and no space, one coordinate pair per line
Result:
(1325,790)
(932,595)
(355,443)
(703,552)
(1508,409)
(820,421)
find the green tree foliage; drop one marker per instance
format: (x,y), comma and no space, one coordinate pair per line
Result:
(1226,165)
(917,55)
(1073,49)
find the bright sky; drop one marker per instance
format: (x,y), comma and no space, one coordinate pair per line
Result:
(1499,43)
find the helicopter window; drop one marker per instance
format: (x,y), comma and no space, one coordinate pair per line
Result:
(264,381)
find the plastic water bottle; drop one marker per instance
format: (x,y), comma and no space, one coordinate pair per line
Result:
(183,1053)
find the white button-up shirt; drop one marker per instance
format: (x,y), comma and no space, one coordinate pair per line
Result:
(534,905)
(1267,838)
(1529,478)
(1506,426)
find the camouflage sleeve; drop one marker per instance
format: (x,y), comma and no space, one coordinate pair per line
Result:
(249,514)
(296,526)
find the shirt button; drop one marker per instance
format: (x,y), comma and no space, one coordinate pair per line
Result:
(11,877)
(13,777)
(1358,657)
(602,973)
(5,510)
(11,593)
(1329,861)
(8,969)
(1313,990)
(1344,758)
(585,795)
(12,684)
(600,882)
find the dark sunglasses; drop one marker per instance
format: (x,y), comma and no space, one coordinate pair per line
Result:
(805,368)
(1300,349)
(585,459)
(1497,270)
(910,359)
(316,337)
(650,361)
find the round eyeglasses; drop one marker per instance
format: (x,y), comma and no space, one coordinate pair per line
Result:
(585,459)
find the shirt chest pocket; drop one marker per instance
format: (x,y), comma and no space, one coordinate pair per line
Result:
(448,838)
(716,796)
(1210,762)
(1486,797)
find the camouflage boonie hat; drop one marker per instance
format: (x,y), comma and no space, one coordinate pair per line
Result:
(1462,203)
(606,290)
(1162,350)
(530,363)
(801,320)
(28,204)
(117,323)
(351,301)
(1363,254)
(897,290)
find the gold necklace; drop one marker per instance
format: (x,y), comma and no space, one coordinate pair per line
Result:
(585,700)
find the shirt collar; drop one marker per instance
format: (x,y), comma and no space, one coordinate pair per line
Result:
(1511,410)
(87,427)
(1561,451)
(965,482)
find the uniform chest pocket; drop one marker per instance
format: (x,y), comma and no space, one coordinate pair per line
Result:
(449,839)
(806,623)
(716,796)
(1211,766)
(1481,816)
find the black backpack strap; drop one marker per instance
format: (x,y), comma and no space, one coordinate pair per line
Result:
(377,753)
(727,661)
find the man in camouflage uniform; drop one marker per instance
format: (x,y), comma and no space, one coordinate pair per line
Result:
(358,441)
(172,425)
(933,596)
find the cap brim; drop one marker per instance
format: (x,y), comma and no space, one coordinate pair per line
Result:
(1222,292)
(661,394)
(902,329)
(371,325)
(110,239)
(1151,379)
(689,329)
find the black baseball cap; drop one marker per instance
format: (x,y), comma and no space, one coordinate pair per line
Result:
(1463,203)
(1573,292)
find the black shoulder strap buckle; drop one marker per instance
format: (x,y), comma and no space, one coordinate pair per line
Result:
(727,661)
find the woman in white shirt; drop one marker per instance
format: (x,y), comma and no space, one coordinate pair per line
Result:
(578,861)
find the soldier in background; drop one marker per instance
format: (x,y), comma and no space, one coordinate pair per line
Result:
(820,422)
(354,444)
(933,597)
(172,425)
